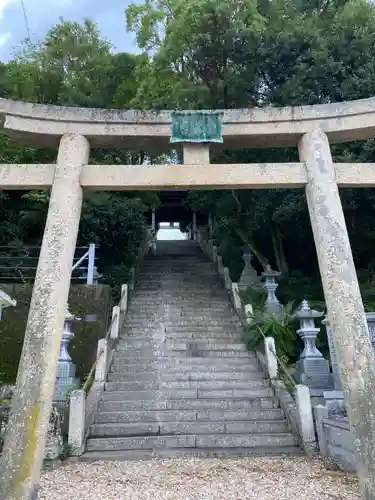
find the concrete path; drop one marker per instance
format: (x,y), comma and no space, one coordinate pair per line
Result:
(196,479)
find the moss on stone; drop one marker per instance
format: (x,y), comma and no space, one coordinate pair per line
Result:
(83,301)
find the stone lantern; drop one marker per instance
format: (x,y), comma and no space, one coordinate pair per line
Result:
(249,276)
(66,369)
(312,369)
(273,306)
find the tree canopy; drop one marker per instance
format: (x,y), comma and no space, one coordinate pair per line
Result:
(208,54)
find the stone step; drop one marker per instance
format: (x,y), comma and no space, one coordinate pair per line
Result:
(186,428)
(173,303)
(180,317)
(181,322)
(150,345)
(180,384)
(145,416)
(122,366)
(164,395)
(142,309)
(189,404)
(236,393)
(177,394)
(172,266)
(191,441)
(254,414)
(184,361)
(125,352)
(175,298)
(165,376)
(214,291)
(126,455)
(211,326)
(204,326)
(180,283)
(176,294)
(182,290)
(132,334)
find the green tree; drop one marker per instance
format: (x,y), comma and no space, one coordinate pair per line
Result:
(194,49)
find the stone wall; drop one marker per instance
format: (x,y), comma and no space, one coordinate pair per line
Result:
(91,303)
(335,439)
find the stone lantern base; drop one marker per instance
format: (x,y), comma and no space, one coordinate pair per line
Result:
(315,373)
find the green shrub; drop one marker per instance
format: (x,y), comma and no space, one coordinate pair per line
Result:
(282,329)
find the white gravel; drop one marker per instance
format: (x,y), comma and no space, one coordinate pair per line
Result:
(195,479)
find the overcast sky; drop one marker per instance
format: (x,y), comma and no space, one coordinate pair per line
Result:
(43,14)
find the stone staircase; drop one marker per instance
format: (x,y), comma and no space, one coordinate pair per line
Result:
(182,382)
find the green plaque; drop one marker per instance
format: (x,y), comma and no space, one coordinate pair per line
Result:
(197,126)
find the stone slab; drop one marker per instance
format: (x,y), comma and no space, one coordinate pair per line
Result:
(242,415)
(241,441)
(234,393)
(257,427)
(150,395)
(146,442)
(145,416)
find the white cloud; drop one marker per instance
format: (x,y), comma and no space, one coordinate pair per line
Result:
(3,5)
(4,38)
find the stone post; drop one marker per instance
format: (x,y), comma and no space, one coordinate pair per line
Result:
(196,153)
(270,351)
(124,299)
(76,432)
(115,323)
(248,313)
(370,316)
(249,276)
(236,297)
(214,254)
(321,413)
(343,298)
(304,414)
(210,225)
(153,220)
(312,368)
(272,304)
(25,440)
(227,280)
(220,266)
(194,226)
(102,360)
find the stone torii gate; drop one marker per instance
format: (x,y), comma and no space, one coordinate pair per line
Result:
(74,131)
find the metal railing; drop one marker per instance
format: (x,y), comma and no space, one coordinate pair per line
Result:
(19,264)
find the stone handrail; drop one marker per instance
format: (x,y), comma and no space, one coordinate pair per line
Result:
(298,409)
(83,402)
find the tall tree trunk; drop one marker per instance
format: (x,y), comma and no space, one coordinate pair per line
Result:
(247,240)
(278,248)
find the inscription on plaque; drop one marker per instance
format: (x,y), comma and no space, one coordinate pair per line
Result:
(197,126)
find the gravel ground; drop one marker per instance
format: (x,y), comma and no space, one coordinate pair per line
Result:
(195,479)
